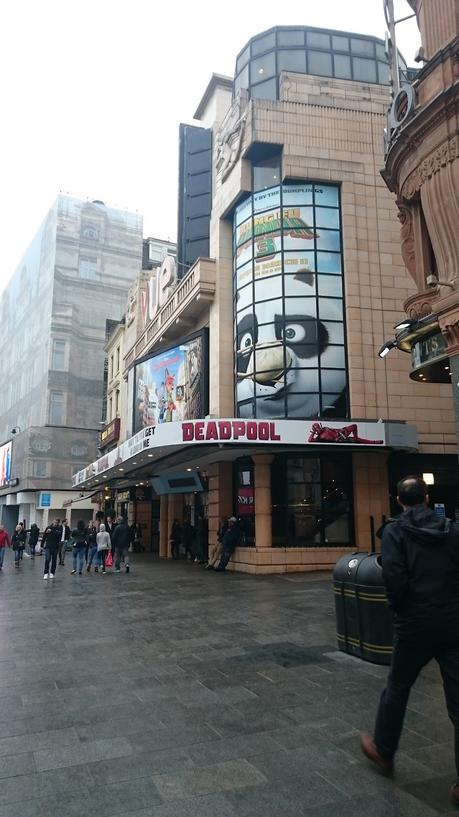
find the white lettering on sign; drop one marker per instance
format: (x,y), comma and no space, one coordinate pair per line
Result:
(229,430)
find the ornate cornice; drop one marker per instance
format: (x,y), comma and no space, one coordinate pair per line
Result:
(420,305)
(447,152)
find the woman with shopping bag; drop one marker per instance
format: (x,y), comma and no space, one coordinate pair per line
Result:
(103,546)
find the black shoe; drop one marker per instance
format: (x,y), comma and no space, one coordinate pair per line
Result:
(127,568)
(219,569)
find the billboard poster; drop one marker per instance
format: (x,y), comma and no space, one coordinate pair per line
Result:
(172,385)
(6,451)
(289,313)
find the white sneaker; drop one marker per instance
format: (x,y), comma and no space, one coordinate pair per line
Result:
(51,575)
(46,576)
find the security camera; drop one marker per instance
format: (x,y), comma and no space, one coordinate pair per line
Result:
(15,430)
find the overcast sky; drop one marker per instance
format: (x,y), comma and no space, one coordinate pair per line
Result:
(93,92)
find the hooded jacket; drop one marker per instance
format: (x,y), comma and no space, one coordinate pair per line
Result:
(420,561)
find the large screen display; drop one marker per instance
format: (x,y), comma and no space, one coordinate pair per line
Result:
(172,385)
(288,303)
(6,452)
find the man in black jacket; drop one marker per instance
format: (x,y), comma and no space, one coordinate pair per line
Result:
(121,539)
(420,561)
(230,541)
(51,541)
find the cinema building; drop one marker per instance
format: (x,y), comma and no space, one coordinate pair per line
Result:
(253,382)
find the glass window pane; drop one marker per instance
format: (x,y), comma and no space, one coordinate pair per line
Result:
(246,408)
(327,218)
(362,46)
(331,309)
(290,37)
(320,63)
(243,58)
(381,52)
(268,288)
(331,405)
(263,67)
(364,70)
(303,405)
(334,329)
(337,527)
(330,285)
(266,267)
(269,360)
(244,275)
(340,43)
(342,66)
(268,408)
(328,240)
(303,380)
(332,380)
(264,90)
(317,40)
(294,60)
(308,310)
(329,262)
(333,357)
(299,262)
(242,80)
(263,44)
(383,73)
(326,195)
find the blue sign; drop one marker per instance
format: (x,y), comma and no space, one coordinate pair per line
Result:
(45,500)
(439,509)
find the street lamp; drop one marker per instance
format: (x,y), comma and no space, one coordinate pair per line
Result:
(386,348)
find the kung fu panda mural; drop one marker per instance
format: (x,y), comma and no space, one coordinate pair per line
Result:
(289,325)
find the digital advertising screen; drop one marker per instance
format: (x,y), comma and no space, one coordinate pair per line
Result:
(6,452)
(172,385)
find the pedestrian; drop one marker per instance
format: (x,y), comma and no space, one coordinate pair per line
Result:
(175,538)
(122,539)
(18,543)
(110,526)
(65,536)
(420,569)
(92,547)
(103,545)
(218,549)
(230,541)
(80,541)
(50,541)
(5,542)
(202,540)
(34,533)
(136,536)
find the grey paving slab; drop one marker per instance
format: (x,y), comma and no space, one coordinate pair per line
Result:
(199,697)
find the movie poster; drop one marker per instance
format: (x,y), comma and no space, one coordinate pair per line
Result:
(169,387)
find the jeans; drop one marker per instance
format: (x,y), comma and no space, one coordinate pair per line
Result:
(17,555)
(226,556)
(2,556)
(407,662)
(92,554)
(32,546)
(50,555)
(78,553)
(102,555)
(122,553)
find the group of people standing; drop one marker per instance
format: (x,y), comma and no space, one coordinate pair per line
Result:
(95,543)
(185,536)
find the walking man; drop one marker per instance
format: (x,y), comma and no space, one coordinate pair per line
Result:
(420,561)
(65,536)
(230,541)
(5,542)
(121,539)
(51,541)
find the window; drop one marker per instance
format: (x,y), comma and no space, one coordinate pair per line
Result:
(88,267)
(311,501)
(364,70)
(110,409)
(90,231)
(320,63)
(40,468)
(265,90)
(110,369)
(294,60)
(58,361)
(117,402)
(263,67)
(117,360)
(266,173)
(56,408)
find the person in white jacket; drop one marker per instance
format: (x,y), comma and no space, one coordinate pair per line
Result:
(103,545)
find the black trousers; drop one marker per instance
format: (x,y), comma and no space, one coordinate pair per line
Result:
(50,556)
(407,662)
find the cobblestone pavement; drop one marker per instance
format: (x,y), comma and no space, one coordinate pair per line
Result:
(175,692)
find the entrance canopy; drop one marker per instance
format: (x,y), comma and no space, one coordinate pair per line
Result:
(155,446)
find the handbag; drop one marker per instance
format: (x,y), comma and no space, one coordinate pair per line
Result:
(109,559)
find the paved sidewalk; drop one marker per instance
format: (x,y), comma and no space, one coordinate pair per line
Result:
(174,692)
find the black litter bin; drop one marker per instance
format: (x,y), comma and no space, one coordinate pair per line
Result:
(364,622)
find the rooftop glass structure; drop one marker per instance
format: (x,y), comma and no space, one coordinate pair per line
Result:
(304,50)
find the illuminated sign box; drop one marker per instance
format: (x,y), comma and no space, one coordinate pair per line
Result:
(110,434)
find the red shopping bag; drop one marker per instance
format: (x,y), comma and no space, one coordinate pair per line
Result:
(109,559)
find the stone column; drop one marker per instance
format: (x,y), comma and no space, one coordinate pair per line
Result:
(164,526)
(371,495)
(220,496)
(263,506)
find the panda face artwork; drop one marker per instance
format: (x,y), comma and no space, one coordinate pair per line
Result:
(278,354)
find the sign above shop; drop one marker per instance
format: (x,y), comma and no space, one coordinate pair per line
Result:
(166,438)
(110,433)
(428,350)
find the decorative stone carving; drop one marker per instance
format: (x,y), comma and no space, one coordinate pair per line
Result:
(405,217)
(450,332)
(229,138)
(420,304)
(440,157)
